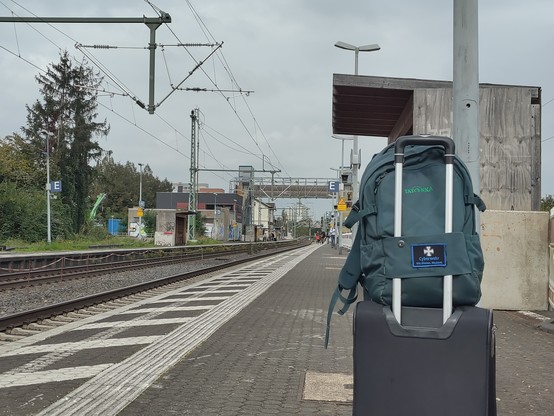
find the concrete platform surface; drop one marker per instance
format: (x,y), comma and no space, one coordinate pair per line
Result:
(243,342)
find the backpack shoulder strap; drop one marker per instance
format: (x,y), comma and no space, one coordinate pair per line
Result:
(356,214)
(477,201)
(348,280)
(471,198)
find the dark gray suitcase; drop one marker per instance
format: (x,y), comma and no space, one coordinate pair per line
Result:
(437,361)
(418,370)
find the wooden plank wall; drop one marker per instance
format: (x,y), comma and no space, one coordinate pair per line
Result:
(510,141)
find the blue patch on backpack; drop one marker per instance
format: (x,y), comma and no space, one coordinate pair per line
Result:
(428,255)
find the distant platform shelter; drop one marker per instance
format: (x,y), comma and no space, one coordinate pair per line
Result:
(510,127)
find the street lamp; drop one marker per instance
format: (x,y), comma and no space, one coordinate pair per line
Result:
(235,221)
(357,50)
(46,136)
(215,216)
(355,160)
(342,139)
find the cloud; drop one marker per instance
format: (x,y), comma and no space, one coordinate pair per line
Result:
(283,51)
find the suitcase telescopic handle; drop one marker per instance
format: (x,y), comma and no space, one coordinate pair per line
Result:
(449,149)
(446,142)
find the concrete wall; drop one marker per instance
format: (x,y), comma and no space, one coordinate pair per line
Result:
(515,245)
(165,227)
(551,251)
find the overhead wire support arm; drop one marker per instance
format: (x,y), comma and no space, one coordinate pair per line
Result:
(188,45)
(152,22)
(196,89)
(198,65)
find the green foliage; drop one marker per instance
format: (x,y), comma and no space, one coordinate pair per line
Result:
(547,203)
(19,210)
(79,243)
(208,241)
(199,225)
(24,215)
(149,221)
(68,112)
(20,163)
(121,183)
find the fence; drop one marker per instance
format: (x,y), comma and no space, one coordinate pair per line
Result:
(347,240)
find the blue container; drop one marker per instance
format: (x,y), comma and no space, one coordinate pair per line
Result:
(113,226)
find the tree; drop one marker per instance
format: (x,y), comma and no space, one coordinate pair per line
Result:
(23,194)
(20,163)
(121,183)
(547,203)
(68,111)
(24,214)
(199,225)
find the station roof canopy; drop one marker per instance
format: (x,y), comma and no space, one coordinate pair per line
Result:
(380,106)
(375,106)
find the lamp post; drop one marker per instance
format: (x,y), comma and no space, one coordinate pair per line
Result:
(235,220)
(46,135)
(141,203)
(355,159)
(215,216)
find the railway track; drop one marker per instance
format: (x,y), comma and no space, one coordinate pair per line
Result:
(21,271)
(15,326)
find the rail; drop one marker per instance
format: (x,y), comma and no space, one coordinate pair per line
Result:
(25,318)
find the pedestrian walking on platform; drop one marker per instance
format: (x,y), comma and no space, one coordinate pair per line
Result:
(332,236)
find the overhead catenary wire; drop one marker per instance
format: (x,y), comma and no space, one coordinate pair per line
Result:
(127,92)
(111,93)
(226,66)
(208,34)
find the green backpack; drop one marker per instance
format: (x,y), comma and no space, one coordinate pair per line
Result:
(376,256)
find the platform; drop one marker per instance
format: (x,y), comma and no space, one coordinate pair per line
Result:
(243,342)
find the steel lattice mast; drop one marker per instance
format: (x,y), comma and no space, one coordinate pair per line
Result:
(193,191)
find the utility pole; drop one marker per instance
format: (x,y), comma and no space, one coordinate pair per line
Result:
(465,90)
(193,202)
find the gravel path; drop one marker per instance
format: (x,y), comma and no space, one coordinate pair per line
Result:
(19,300)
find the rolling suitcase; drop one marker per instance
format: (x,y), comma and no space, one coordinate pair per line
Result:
(423,361)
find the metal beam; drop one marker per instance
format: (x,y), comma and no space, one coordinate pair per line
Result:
(290,188)
(152,22)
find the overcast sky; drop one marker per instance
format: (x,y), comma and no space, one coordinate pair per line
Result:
(283,52)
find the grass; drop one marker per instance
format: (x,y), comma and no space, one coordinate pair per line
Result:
(79,243)
(88,242)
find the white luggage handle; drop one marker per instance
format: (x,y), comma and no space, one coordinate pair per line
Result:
(449,148)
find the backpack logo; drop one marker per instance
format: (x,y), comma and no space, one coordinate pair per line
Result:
(418,189)
(428,255)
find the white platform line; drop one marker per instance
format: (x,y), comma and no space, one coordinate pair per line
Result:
(162,309)
(83,345)
(49,376)
(137,322)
